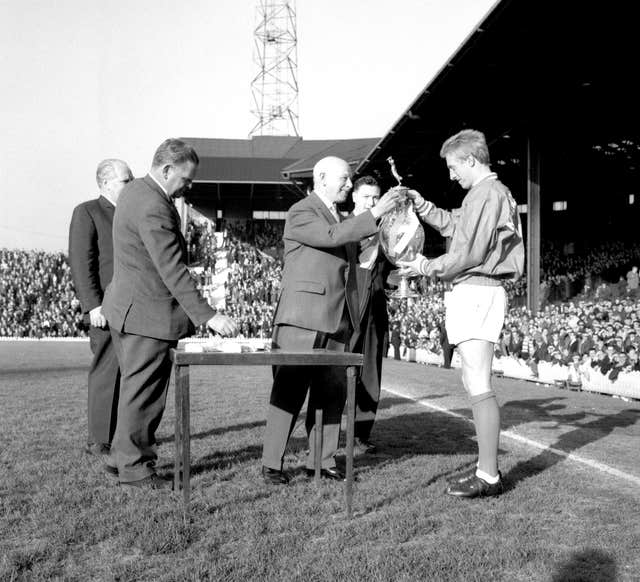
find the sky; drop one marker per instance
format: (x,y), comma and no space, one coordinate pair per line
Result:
(84,80)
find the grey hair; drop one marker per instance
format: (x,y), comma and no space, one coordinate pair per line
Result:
(106,169)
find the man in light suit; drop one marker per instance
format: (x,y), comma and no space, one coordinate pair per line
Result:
(151,302)
(91,261)
(371,337)
(317,308)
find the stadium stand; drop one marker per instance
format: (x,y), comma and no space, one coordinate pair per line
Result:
(37,298)
(584,337)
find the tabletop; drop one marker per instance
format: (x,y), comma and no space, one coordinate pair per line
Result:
(318,357)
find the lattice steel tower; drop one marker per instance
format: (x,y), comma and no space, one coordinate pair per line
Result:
(275,87)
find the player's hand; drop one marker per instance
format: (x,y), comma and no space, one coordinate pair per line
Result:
(393,279)
(387,203)
(417,198)
(96,318)
(223,325)
(413,267)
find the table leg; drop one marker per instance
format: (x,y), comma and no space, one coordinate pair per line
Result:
(351,415)
(318,428)
(182,466)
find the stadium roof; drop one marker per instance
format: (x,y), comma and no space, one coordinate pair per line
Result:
(239,176)
(554,77)
(351,150)
(558,76)
(552,85)
(270,159)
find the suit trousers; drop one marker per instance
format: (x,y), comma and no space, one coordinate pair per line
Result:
(104,382)
(373,346)
(145,369)
(327,391)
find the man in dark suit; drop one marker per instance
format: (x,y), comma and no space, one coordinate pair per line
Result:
(317,308)
(91,261)
(152,301)
(371,337)
(396,341)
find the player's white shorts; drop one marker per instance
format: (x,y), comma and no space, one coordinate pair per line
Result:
(474,312)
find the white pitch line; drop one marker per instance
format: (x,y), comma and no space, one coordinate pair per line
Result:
(527,441)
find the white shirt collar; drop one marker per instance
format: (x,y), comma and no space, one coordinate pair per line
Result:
(330,205)
(158,183)
(490,176)
(108,199)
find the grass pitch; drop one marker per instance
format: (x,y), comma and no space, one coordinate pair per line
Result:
(571,463)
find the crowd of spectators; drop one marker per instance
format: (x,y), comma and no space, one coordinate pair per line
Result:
(598,329)
(37,298)
(201,245)
(583,335)
(265,235)
(251,288)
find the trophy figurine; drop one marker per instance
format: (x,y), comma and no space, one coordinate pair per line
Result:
(401,235)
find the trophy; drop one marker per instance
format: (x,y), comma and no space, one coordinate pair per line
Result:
(401,235)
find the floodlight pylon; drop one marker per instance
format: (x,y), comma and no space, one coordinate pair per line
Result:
(275,88)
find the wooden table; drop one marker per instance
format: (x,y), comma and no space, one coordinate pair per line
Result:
(183,360)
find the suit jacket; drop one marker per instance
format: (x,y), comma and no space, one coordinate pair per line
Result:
(372,296)
(152,293)
(320,255)
(371,337)
(91,251)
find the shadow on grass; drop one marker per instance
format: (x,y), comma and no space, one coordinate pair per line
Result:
(224,460)
(390,402)
(399,437)
(26,371)
(434,433)
(437,433)
(582,433)
(205,502)
(220,460)
(406,436)
(590,565)
(217,431)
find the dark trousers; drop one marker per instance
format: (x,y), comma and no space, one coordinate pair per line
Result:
(373,344)
(104,382)
(145,370)
(447,349)
(327,391)
(396,349)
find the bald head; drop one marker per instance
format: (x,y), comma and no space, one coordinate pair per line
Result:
(332,179)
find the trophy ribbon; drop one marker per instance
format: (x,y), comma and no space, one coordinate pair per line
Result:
(406,233)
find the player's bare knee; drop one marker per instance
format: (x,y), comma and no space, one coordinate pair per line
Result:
(476,398)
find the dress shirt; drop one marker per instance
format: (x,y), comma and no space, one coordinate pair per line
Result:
(331,206)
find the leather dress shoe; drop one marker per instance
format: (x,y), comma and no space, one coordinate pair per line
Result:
(274,476)
(152,481)
(474,486)
(363,446)
(97,449)
(110,470)
(332,473)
